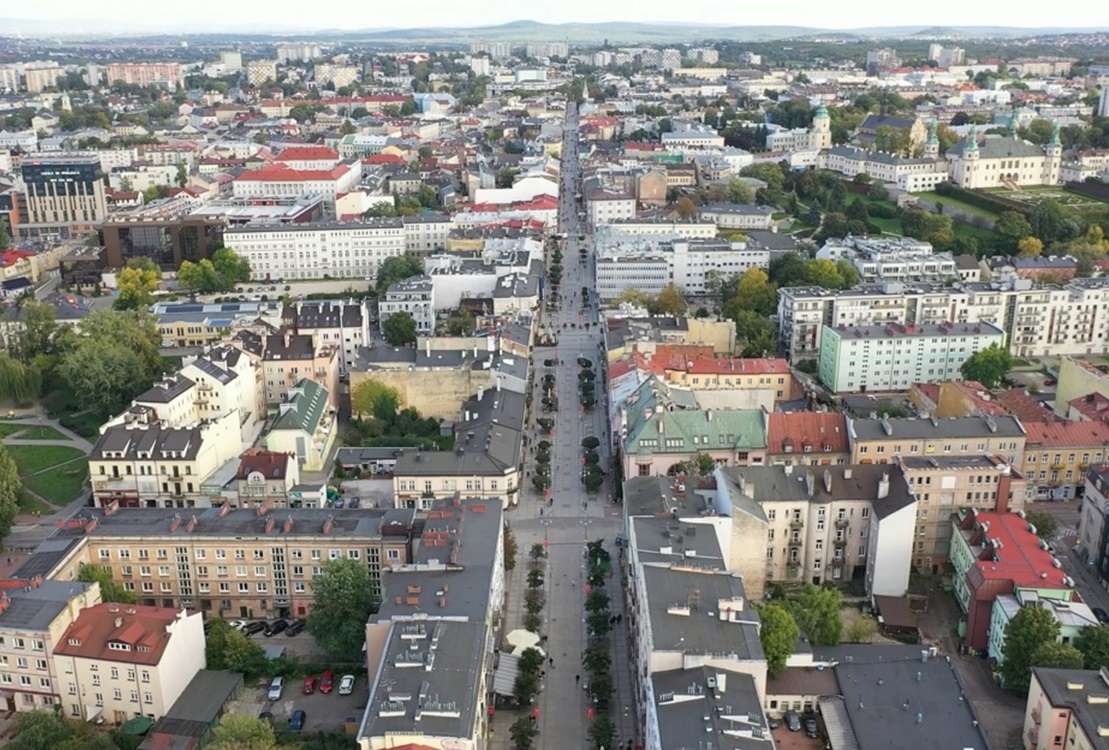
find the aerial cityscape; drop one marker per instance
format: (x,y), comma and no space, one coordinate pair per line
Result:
(437,380)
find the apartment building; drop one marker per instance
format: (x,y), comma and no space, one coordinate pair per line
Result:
(666,228)
(282,181)
(893,357)
(42,76)
(805,438)
(260,71)
(267,478)
(736,215)
(142,462)
(119,661)
(166,74)
(33,619)
(64,196)
(226,562)
(948,484)
(744,374)
(415,296)
(306,425)
(1057,455)
(879,441)
(604,207)
(338,75)
(1038,321)
(341,323)
(288,358)
(298,52)
(650,264)
(318,250)
(1066,708)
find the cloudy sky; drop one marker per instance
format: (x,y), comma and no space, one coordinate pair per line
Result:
(287,14)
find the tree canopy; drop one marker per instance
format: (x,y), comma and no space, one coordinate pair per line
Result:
(988,366)
(137,283)
(240,732)
(816,610)
(1030,628)
(110,591)
(399,329)
(222,273)
(227,648)
(778,633)
(341,604)
(395,269)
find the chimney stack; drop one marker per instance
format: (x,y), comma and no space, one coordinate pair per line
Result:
(884,486)
(288,524)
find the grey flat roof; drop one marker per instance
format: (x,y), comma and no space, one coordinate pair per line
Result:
(1092,716)
(707,705)
(36,608)
(699,632)
(876,681)
(205,696)
(685,541)
(922,429)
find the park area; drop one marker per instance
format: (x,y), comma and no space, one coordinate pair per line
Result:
(52,465)
(1033,194)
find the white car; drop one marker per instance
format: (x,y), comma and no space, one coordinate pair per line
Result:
(346,685)
(276,688)
(237,624)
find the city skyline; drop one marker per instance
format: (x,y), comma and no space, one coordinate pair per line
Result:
(69,16)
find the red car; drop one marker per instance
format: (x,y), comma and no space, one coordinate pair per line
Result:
(309,685)
(327,682)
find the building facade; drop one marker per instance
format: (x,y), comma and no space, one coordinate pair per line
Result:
(64,196)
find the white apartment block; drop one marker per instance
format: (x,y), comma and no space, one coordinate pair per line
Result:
(706,55)
(893,357)
(298,52)
(415,296)
(603,207)
(693,138)
(260,71)
(1038,321)
(42,76)
(891,259)
(547,49)
(909,174)
(315,251)
(120,661)
(666,228)
(339,75)
(9,78)
(737,215)
(650,265)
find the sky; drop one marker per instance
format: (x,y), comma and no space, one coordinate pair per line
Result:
(216,15)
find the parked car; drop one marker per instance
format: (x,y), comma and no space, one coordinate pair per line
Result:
(811,728)
(296,721)
(295,627)
(275,627)
(793,722)
(237,624)
(1101,615)
(346,684)
(773,723)
(254,627)
(338,502)
(310,684)
(327,682)
(265,716)
(277,686)
(354,502)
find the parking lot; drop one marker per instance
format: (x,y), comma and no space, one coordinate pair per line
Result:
(323,712)
(787,740)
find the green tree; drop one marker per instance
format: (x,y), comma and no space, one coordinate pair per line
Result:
(824,273)
(1055,655)
(778,632)
(602,732)
(239,732)
(1027,631)
(634,297)
(400,329)
(526,687)
(115,359)
(395,269)
(39,730)
(110,591)
(137,283)
(1052,223)
(816,610)
(699,465)
(754,331)
(685,207)
(988,366)
(523,732)
(511,548)
(372,397)
(1093,642)
(9,492)
(1009,229)
(19,382)
(5,236)
(182,175)
(752,291)
(1044,522)
(222,273)
(739,192)
(227,648)
(341,604)
(1030,247)
(669,301)
(36,335)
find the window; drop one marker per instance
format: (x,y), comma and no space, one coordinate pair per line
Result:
(163,571)
(244,587)
(259,570)
(144,570)
(298,587)
(145,676)
(200,554)
(147,586)
(240,570)
(353,554)
(117,694)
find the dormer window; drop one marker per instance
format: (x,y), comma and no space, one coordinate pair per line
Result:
(74,641)
(117,646)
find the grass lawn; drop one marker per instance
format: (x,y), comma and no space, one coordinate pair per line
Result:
(34,458)
(952,203)
(42,433)
(86,424)
(62,486)
(10,428)
(28,504)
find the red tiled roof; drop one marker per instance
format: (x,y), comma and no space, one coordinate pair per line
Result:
(736,366)
(1022,406)
(141,628)
(270,464)
(1062,434)
(930,391)
(1093,406)
(1019,558)
(383,159)
(285,173)
(825,433)
(11,256)
(308,153)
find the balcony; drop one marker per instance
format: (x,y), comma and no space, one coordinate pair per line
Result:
(796,523)
(793,543)
(842,523)
(839,543)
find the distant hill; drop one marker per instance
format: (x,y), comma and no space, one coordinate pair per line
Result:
(617,32)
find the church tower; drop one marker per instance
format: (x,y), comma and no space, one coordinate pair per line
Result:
(966,174)
(932,145)
(1053,158)
(821,134)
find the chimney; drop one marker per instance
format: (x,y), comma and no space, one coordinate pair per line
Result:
(288,525)
(175,523)
(328,524)
(1004,484)
(427,348)
(708,414)
(262,509)
(721,682)
(269,525)
(91,525)
(810,483)
(828,481)
(119,622)
(224,509)
(480,393)
(884,486)
(111,508)
(192,525)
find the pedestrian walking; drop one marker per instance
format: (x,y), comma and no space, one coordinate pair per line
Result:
(551,661)
(577,678)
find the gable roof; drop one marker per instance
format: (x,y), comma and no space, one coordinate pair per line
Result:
(129,633)
(302,408)
(806,432)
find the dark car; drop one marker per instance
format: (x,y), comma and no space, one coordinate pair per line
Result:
(275,627)
(265,716)
(296,721)
(254,627)
(1101,615)
(793,722)
(295,627)
(354,502)
(811,729)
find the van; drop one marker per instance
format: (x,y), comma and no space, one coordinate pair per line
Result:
(277,686)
